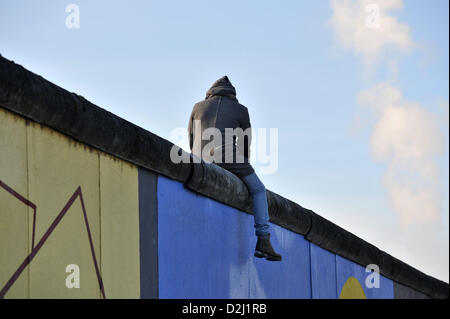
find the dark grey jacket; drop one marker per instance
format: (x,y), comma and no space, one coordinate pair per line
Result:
(221,110)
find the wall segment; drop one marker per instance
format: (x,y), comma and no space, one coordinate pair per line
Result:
(141,226)
(54,167)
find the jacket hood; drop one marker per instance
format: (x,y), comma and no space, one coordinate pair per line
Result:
(222,87)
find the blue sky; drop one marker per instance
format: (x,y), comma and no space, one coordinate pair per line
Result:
(151,61)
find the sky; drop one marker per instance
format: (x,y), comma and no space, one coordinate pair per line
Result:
(357,90)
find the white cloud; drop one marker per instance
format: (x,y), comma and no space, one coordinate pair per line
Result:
(354,24)
(406,136)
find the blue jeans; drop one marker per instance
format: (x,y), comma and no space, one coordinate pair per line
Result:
(257,191)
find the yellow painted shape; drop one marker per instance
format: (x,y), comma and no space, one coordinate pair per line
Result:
(15,216)
(57,166)
(47,167)
(13,243)
(352,289)
(119,227)
(68,244)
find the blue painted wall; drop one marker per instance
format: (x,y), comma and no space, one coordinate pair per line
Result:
(205,250)
(346,268)
(323,273)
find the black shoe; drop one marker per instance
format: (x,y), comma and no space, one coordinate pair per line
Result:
(264,249)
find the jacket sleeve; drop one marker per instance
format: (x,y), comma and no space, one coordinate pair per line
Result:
(190,130)
(247,137)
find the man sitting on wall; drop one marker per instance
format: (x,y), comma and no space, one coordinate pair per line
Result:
(223,118)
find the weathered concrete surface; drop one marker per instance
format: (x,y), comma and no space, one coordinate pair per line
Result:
(35,98)
(44,168)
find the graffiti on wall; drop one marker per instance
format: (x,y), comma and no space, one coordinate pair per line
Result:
(34,250)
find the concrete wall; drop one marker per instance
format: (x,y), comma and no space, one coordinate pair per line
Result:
(206,251)
(43,169)
(136,234)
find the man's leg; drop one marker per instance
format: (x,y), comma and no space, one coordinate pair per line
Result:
(260,210)
(257,191)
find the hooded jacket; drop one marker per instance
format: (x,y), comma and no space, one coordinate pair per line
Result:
(222,111)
